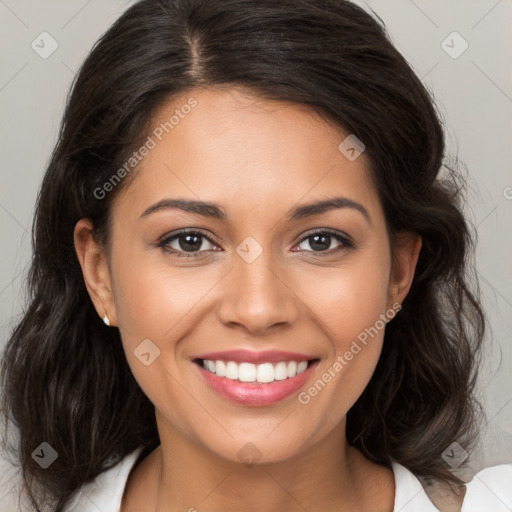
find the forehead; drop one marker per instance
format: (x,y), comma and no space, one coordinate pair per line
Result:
(253,155)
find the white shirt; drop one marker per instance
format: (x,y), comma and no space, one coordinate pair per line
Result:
(490,490)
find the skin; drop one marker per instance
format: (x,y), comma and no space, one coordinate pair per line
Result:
(258,160)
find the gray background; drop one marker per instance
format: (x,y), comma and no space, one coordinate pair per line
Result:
(473,93)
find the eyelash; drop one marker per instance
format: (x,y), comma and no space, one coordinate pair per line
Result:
(163,244)
(343,239)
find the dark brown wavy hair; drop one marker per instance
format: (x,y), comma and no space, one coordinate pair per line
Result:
(65,377)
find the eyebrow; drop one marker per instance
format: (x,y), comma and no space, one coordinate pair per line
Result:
(215,211)
(315,208)
(188,205)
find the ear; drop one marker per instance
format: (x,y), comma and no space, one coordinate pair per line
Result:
(405,257)
(93,261)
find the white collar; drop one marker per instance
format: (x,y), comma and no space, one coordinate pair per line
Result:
(409,493)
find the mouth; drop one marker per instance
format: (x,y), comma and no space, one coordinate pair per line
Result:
(255,379)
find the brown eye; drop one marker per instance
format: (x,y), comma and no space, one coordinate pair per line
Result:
(324,241)
(192,242)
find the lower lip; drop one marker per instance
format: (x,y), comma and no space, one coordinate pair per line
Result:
(253,393)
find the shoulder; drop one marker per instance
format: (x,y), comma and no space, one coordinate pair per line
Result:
(105,492)
(490,489)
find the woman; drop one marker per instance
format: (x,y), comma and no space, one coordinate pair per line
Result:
(249,285)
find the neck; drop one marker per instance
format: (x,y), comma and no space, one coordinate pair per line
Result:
(182,476)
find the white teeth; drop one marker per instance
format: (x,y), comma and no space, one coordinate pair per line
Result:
(280,372)
(291,369)
(248,372)
(220,368)
(265,372)
(301,367)
(232,371)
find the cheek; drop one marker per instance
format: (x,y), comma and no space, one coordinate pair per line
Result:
(152,304)
(350,302)
(161,304)
(350,298)
(152,299)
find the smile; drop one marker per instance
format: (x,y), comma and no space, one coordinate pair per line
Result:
(255,378)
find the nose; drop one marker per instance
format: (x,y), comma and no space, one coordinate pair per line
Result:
(257,297)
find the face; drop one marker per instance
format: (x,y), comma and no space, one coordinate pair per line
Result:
(247,277)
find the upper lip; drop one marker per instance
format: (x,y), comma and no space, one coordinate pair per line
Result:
(255,357)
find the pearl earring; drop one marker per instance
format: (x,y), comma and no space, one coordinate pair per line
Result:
(106,319)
